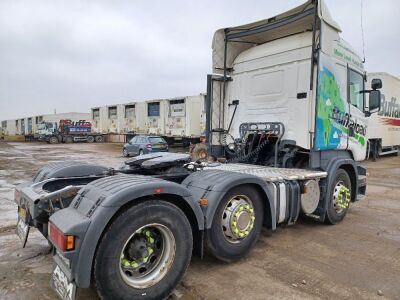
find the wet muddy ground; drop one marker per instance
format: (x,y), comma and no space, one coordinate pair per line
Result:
(357,259)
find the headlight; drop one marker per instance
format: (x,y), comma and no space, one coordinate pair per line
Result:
(231,146)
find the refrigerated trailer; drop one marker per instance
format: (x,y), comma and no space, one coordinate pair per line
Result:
(99,115)
(384,127)
(286,114)
(185,119)
(154,113)
(132,117)
(9,127)
(179,120)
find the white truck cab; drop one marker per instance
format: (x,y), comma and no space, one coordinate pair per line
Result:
(47,128)
(289,92)
(294,69)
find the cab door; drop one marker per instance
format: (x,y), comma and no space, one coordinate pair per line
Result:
(357,121)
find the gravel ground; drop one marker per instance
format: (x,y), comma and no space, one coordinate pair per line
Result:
(357,259)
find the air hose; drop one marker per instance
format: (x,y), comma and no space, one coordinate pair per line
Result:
(256,151)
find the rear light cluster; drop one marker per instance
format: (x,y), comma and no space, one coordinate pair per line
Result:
(61,241)
(148,146)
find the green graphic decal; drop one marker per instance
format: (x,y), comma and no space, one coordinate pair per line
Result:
(333,122)
(329,103)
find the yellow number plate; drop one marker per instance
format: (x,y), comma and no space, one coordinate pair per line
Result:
(22,213)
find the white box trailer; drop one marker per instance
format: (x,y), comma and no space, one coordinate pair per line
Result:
(154,120)
(99,119)
(118,118)
(112,118)
(129,121)
(185,119)
(179,119)
(9,127)
(384,127)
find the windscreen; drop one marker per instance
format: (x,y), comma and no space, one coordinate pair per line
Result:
(43,126)
(156,140)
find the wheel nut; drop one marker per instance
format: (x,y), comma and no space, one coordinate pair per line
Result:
(125,262)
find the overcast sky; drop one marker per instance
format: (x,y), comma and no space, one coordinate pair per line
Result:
(74,55)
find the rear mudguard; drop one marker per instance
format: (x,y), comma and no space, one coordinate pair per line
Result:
(69,168)
(214,184)
(97,203)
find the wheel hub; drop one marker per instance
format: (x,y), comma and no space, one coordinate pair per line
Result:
(147,255)
(138,249)
(238,218)
(341,197)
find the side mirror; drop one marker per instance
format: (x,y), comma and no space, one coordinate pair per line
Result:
(374,100)
(376,84)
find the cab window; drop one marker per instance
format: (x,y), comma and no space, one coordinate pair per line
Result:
(355,86)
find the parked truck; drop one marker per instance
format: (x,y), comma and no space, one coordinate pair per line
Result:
(287,112)
(28,127)
(384,127)
(68,131)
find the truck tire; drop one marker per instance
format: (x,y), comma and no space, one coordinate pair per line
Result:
(236,224)
(69,139)
(90,139)
(53,140)
(144,252)
(339,199)
(99,139)
(376,149)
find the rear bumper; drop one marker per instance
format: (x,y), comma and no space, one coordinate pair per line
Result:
(28,198)
(40,204)
(155,150)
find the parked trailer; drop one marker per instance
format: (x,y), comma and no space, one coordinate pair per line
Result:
(118,118)
(131,232)
(384,127)
(178,120)
(9,127)
(3,129)
(155,115)
(99,117)
(185,119)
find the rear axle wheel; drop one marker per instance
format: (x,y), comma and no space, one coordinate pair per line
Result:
(147,256)
(144,253)
(236,224)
